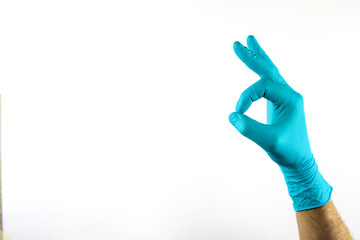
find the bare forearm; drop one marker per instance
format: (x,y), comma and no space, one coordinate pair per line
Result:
(322,223)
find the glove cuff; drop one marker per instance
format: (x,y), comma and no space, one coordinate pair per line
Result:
(306,186)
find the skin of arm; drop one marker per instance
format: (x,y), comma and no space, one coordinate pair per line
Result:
(322,223)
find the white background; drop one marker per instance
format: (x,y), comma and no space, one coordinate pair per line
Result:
(115,116)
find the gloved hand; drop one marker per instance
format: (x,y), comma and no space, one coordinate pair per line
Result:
(285,137)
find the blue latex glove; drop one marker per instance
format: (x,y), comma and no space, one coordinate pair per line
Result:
(285,137)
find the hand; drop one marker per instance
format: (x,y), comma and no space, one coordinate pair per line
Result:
(285,140)
(285,137)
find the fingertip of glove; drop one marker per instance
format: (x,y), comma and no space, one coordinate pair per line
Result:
(237,107)
(237,44)
(233,118)
(251,40)
(238,120)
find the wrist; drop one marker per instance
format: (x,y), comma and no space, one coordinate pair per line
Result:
(306,186)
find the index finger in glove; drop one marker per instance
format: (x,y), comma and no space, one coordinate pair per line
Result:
(271,91)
